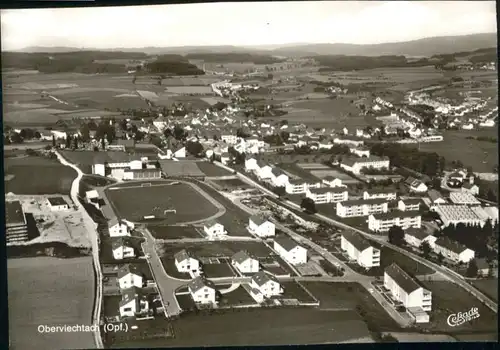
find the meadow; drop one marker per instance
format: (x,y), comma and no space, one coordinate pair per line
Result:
(50,291)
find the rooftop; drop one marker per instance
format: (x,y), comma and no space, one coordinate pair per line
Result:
(354,202)
(402,278)
(14,214)
(356,240)
(261,278)
(57,201)
(417,233)
(396,214)
(200,283)
(286,242)
(258,219)
(241,256)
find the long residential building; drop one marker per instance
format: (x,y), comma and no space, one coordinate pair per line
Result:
(384,193)
(453,251)
(382,222)
(359,207)
(296,186)
(327,194)
(453,214)
(355,165)
(360,250)
(408,291)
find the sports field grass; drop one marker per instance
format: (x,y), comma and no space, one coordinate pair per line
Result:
(189,204)
(351,296)
(261,326)
(37,175)
(488,286)
(447,299)
(173,232)
(50,291)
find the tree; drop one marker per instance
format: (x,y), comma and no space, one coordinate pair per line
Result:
(308,205)
(103,143)
(194,148)
(396,235)
(85,132)
(425,248)
(472,269)
(440,258)
(53,141)
(179,133)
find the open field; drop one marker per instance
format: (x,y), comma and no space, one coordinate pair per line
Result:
(240,327)
(181,168)
(64,294)
(218,270)
(204,90)
(481,156)
(173,232)
(237,297)
(488,287)
(294,290)
(210,169)
(346,179)
(447,299)
(189,204)
(52,177)
(350,296)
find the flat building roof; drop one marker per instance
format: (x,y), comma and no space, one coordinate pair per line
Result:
(14,214)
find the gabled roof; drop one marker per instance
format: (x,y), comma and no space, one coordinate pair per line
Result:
(117,242)
(417,233)
(129,268)
(261,278)
(183,255)
(210,223)
(453,246)
(287,243)
(411,201)
(130,294)
(277,171)
(403,279)
(241,257)
(199,283)
(258,219)
(356,240)
(434,195)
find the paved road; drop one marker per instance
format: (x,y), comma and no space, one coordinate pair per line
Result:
(166,284)
(91,227)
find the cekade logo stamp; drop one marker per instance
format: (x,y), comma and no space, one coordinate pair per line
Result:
(460,318)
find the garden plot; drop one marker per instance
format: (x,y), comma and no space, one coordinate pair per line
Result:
(313,166)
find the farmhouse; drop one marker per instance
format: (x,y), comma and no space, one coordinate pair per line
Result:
(331,181)
(129,276)
(122,248)
(406,289)
(327,194)
(384,193)
(463,198)
(16,228)
(244,262)
(452,214)
(214,230)
(202,291)
(435,197)
(360,250)
(355,165)
(261,226)
(57,204)
(415,185)
(453,251)
(187,263)
(119,227)
(296,186)
(266,284)
(359,207)
(141,174)
(409,204)
(382,222)
(133,303)
(290,250)
(416,237)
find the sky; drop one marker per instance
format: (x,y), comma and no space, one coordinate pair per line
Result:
(244,24)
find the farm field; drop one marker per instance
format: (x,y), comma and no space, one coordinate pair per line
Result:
(210,169)
(480,155)
(189,204)
(447,299)
(350,296)
(488,287)
(240,327)
(64,294)
(294,290)
(53,177)
(173,232)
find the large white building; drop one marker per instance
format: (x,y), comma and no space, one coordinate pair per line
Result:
(412,204)
(382,222)
(290,251)
(385,193)
(327,194)
(416,237)
(358,207)
(453,251)
(266,284)
(261,227)
(296,186)
(408,291)
(186,262)
(354,164)
(463,198)
(360,250)
(453,214)
(214,230)
(244,262)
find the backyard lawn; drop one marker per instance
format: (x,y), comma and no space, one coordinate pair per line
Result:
(488,286)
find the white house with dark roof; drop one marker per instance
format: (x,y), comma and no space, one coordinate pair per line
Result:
(327,194)
(360,151)
(360,250)
(416,237)
(453,251)
(57,204)
(408,291)
(261,227)
(266,284)
(416,185)
(251,164)
(133,303)
(122,248)
(295,186)
(331,181)
(229,137)
(382,193)
(186,262)
(409,204)
(355,164)
(290,251)
(470,188)
(214,230)
(202,291)
(360,207)
(244,262)
(119,227)
(130,276)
